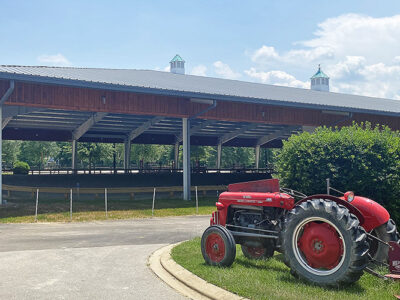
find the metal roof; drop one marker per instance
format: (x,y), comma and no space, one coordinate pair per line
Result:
(165,83)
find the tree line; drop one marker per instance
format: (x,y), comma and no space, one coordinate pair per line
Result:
(91,155)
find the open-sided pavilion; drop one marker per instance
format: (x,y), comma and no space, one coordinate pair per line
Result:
(152,107)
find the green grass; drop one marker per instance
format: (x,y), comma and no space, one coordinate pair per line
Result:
(22,211)
(271,279)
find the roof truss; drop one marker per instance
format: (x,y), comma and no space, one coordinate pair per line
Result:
(231,135)
(85,126)
(195,129)
(277,134)
(142,128)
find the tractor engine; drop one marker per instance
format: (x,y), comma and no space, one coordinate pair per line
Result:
(250,224)
(256,217)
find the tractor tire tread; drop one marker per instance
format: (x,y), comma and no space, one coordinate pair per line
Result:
(344,219)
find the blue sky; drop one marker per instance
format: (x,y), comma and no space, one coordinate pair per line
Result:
(274,42)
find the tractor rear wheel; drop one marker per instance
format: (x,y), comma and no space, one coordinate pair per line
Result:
(324,244)
(386,232)
(218,246)
(258,252)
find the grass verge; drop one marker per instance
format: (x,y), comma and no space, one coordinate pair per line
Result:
(23,211)
(271,279)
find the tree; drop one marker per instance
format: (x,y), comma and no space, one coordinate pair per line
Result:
(92,154)
(64,155)
(149,153)
(11,150)
(37,153)
(237,156)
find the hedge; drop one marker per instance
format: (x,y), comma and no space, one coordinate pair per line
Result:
(21,167)
(359,158)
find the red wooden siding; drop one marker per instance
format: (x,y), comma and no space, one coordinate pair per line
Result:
(85,99)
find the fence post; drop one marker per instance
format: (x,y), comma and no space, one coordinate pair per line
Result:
(37,203)
(328,186)
(105,202)
(154,198)
(197,203)
(70,205)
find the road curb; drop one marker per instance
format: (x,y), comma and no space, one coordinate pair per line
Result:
(185,282)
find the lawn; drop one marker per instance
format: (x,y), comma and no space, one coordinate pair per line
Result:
(56,210)
(271,279)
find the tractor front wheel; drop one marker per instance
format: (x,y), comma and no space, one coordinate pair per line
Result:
(218,246)
(324,244)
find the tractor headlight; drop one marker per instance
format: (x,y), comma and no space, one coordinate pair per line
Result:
(349,196)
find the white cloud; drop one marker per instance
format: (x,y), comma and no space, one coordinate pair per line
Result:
(349,66)
(360,53)
(267,55)
(199,70)
(264,54)
(225,71)
(54,60)
(277,78)
(352,34)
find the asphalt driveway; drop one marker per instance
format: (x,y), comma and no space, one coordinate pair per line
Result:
(97,260)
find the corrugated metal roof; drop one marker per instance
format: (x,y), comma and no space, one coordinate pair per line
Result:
(166,83)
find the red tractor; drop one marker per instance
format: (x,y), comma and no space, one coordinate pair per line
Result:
(324,239)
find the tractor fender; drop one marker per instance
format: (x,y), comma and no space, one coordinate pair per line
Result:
(354,210)
(374,214)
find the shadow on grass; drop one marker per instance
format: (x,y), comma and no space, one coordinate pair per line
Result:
(288,277)
(354,288)
(253,265)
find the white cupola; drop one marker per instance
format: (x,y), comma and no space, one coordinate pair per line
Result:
(177,65)
(320,81)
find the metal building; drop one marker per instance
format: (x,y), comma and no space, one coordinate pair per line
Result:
(142,106)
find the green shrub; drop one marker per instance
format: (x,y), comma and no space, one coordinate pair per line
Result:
(21,167)
(359,158)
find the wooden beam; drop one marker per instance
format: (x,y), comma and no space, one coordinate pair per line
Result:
(142,128)
(265,139)
(85,126)
(231,135)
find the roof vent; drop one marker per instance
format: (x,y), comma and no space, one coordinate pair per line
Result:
(177,65)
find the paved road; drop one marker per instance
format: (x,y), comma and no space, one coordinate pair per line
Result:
(101,260)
